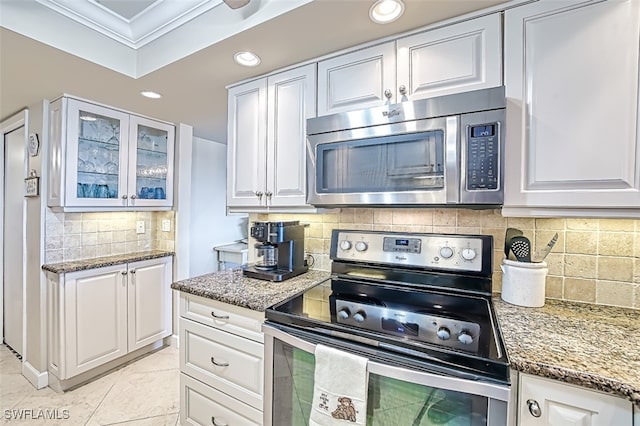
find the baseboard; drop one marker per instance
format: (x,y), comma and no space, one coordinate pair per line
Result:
(39,379)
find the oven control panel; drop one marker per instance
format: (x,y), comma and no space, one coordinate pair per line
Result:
(437,330)
(462,253)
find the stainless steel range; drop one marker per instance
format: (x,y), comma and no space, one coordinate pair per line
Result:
(418,306)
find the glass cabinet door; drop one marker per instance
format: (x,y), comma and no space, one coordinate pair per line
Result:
(96,155)
(150,163)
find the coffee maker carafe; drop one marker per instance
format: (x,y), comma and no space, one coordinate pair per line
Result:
(279,251)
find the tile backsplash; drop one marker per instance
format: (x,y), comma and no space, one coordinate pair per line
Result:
(76,236)
(594,260)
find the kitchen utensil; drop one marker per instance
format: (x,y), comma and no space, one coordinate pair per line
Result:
(521,248)
(509,234)
(541,254)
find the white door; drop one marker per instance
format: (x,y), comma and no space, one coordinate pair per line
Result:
(357,80)
(149,302)
(571,76)
(292,99)
(246,135)
(13,241)
(456,58)
(95,318)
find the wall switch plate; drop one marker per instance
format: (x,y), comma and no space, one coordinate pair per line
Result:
(140,227)
(166,225)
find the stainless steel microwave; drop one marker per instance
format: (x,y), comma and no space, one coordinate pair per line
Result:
(446,150)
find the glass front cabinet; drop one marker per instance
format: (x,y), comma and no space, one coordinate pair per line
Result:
(105,158)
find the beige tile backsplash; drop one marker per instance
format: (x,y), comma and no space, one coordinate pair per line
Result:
(594,260)
(76,236)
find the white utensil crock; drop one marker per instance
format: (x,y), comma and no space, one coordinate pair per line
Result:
(523,283)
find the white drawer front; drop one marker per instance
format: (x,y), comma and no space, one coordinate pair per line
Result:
(202,405)
(233,319)
(225,361)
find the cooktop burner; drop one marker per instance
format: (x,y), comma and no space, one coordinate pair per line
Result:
(413,301)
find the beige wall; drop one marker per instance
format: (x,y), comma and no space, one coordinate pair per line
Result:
(594,260)
(76,236)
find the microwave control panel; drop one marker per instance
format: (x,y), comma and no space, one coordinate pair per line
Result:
(483,157)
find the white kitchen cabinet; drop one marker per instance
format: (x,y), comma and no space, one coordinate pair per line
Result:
(102,158)
(456,58)
(357,80)
(266,140)
(221,362)
(571,75)
(99,315)
(549,402)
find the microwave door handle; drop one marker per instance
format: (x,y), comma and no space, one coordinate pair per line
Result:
(452,167)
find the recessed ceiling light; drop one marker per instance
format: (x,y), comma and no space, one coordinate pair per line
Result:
(385,11)
(151,95)
(247,59)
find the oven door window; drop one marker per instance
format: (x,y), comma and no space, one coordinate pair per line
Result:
(407,162)
(390,401)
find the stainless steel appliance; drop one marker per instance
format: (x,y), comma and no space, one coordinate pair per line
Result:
(418,306)
(445,151)
(279,251)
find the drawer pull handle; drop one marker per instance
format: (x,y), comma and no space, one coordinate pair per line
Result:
(213,422)
(213,314)
(534,408)
(219,364)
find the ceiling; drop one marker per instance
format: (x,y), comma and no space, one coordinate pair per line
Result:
(110,50)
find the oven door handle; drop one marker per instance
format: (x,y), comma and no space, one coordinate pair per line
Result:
(498,392)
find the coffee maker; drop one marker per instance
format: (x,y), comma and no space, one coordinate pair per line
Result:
(279,251)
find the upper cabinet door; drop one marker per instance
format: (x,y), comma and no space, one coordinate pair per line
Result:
(96,174)
(357,80)
(246,133)
(150,159)
(292,101)
(572,108)
(456,58)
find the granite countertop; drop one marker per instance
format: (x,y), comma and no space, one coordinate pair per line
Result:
(236,289)
(594,346)
(99,262)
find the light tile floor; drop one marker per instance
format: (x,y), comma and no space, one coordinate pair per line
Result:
(143,393)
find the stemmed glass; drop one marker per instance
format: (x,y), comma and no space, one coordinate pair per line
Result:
(115,127)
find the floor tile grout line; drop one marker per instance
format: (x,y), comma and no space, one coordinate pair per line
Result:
(140,419)
(100,403)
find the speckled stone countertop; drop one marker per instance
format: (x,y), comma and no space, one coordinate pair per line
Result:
(593,346)
(99,262)
(236,289)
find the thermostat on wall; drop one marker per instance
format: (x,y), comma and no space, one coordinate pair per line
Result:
(34,144)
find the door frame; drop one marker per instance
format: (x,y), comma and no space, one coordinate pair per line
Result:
(18,120)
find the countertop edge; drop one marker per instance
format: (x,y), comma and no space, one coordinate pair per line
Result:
(100,262)
(185,288)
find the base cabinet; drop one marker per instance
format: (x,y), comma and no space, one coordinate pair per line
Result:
(221,363)
(549,402)
(573,147)
(99,315)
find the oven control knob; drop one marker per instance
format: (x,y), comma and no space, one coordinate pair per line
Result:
(468,254)
(465,337)
(359,316)
(446,252)
(443,333)
(345,244)
(344,313)
(361,246)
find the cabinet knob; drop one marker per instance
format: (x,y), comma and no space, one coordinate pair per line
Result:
(388,94)
(403,91)
(133,271)
(214,423)
(133,196)
(219,364)
(268,194)
(534,408)
(124,197)
(259,195)
(213,314)
(124,272)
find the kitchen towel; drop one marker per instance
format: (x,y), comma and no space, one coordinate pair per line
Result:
(340,388)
